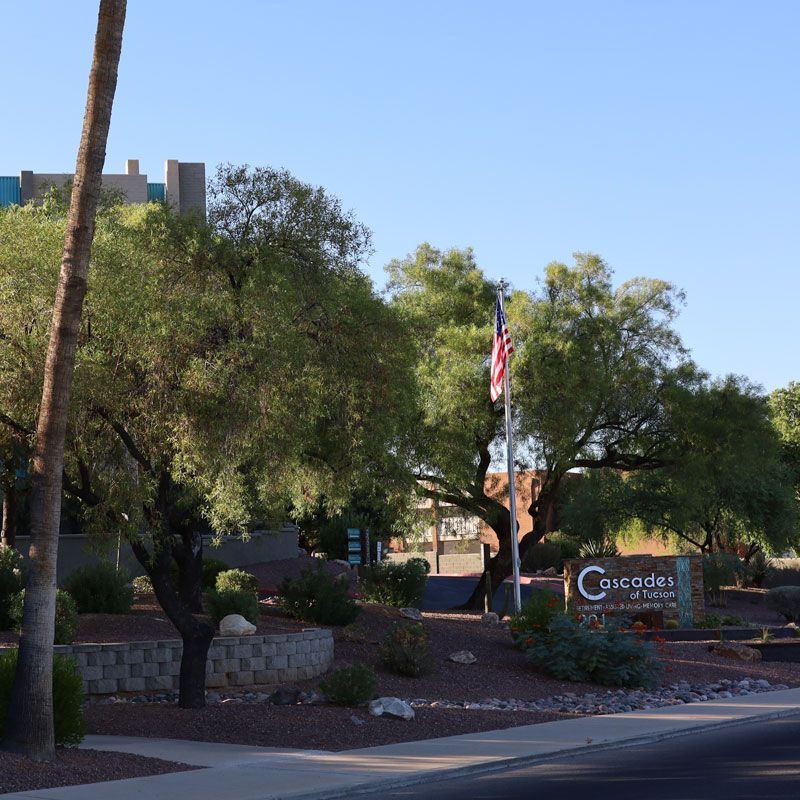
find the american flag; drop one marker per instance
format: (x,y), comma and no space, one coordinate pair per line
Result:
(502,348)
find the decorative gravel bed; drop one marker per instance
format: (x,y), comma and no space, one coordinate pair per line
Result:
(619,700)
(71,767)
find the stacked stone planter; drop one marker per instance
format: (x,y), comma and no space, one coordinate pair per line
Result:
(232,661)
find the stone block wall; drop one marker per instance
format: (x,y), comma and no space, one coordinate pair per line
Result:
(232,661)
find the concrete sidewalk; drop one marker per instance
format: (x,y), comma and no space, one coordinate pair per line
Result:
(237,772)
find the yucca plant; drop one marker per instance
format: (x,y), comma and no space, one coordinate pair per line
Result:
(599,548)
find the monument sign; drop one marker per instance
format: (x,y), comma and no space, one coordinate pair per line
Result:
(661,587)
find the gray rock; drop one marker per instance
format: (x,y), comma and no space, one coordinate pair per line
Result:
(235,625)
(392,707)
(490,618)
(411,613)
(463,657)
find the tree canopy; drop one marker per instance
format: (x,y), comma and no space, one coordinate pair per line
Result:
(222,371)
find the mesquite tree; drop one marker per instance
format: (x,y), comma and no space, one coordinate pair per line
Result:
(594,371)
(224,369)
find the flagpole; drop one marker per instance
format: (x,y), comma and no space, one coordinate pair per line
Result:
(512,495)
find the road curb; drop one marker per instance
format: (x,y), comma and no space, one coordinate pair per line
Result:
(435,776)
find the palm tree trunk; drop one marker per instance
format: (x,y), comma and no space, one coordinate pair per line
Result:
(29,725)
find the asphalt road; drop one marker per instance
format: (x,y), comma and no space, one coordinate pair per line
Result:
(752,762)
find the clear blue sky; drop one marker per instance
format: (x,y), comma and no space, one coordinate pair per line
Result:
(661,135)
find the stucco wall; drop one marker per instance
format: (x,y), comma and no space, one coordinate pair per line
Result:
(76,550)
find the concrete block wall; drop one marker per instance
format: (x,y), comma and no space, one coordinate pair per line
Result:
(232,661)
(452,563)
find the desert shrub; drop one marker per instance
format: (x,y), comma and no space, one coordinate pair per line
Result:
(786,601)
(142,585)
(68,697)
(599,548)
(753,572)
(100,589)
(573,652)
(709,621)
(541,556)
(317,596)
(735,622)
(10,582)
(671,625)
(237,580)
(570,546)
(350,686)
(66,616)
(211,569)
(395,584)
(407,651)
(719,569)
(232,601)
(536,614)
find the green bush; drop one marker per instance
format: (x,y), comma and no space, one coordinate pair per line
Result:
(232,601)
(211,569)
(786,601)
(541,556)
(395,584)
(734,622)
(66,616)
(407,651)
(350,686)
(573,652)
(709,621)
(317,596)
(67,697)
(100,589)
(10,582)
(570,546)
(719,569)
(536,614)
(599,548)
(142,585)
(671,625)
(237,580)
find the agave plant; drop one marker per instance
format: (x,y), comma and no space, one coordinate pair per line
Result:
(599,548)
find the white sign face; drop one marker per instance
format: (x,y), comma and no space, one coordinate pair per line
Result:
(648,587)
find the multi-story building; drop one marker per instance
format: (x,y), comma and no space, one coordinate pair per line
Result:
(184,186)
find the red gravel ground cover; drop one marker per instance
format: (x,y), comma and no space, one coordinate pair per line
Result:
(305,727)
(500,672)
(72,767)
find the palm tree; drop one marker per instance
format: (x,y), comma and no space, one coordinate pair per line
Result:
(29,725)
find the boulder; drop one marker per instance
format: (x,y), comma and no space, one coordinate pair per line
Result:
(550,572)
(736,651)
(391,707)
(235,625)
(463,657)
(490,618)
(411,613)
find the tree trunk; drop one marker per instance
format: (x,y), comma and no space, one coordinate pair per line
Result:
(196,634)
(10,516)
(29,725)
(501,565)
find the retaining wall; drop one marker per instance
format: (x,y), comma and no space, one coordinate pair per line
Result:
(232,661)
